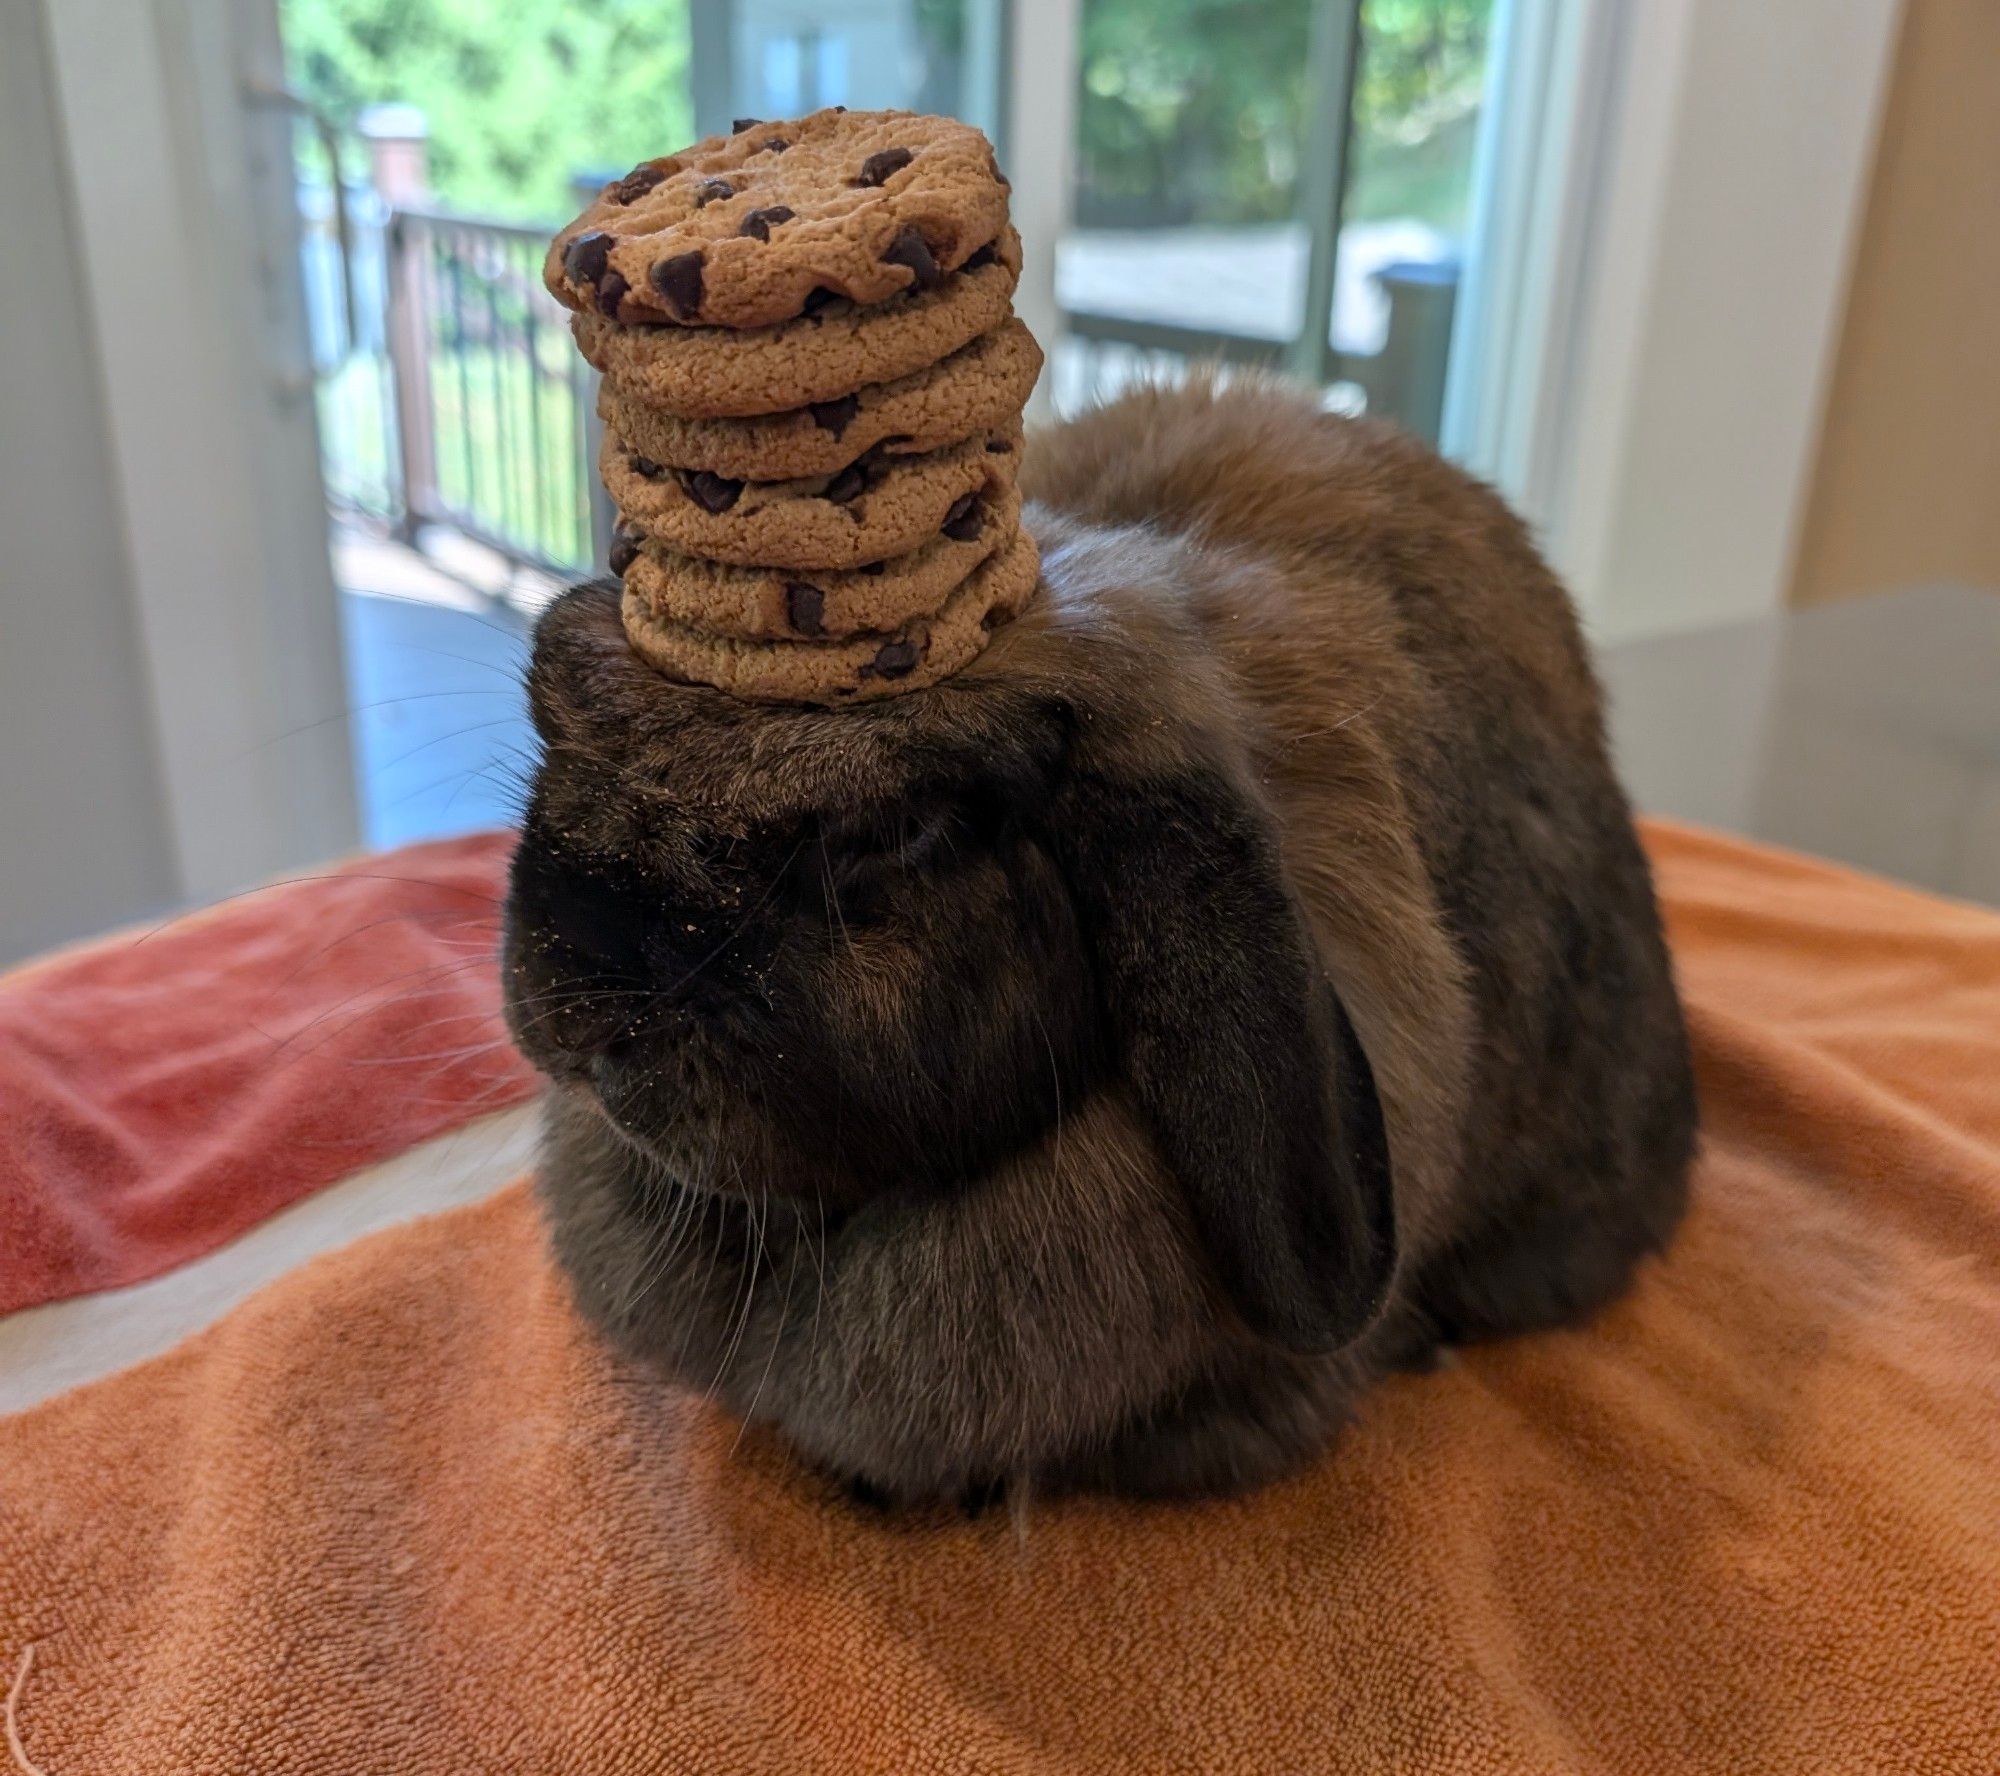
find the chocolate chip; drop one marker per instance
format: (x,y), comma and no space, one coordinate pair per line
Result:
(805,607)
(846,485)
(984,257)
(998,447)
(646,468)
(996,618)
(611,290)
(636,183)
(679,280)
(835,416)
(759,223)
(773,145)
(586,257)
(712,191)
(965,520)
(893,659)
(624,550)
(911,249)
(817,298)
(743,123)
(712,492)
(884,161)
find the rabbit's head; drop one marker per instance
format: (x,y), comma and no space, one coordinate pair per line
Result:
(827,992)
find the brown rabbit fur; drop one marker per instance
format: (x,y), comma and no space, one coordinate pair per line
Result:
(1098,1068)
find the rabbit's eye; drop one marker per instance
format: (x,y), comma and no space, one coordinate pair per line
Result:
(893,840)
(857,864)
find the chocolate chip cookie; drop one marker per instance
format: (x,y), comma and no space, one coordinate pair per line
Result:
(802,604)
(741,230)
(874,508)
(861,667)
(713,372)
(978,388)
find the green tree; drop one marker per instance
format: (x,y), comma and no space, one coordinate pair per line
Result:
(519,97)
(1418,89)
(1194,110)
(1191,110)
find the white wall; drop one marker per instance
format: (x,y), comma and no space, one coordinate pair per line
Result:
(172,722)
(214,448)
(82,841)
(1737,151)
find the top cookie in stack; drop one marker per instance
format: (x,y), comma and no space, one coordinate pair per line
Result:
(813,382)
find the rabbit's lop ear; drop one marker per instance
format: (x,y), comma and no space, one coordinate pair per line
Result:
(1259,1095)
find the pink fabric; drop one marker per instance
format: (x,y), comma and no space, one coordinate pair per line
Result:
(163,1090)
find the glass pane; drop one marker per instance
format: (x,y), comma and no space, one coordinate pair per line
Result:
(1419,85)
(1194,233)
(1186,236)
(779,58)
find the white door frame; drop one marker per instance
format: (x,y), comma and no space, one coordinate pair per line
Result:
(1543,126)
(1044,57)
(1668,249)
(192,289)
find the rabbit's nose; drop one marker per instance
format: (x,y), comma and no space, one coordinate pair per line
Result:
(582,941)
(587,924)
(606,955)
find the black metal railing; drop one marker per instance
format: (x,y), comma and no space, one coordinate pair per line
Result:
(452,396)
(495,431)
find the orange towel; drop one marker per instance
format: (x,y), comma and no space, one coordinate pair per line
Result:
(399,1514)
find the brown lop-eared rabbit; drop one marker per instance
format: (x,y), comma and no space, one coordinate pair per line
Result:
(1094,1071)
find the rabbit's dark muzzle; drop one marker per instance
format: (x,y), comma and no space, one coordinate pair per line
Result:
(599,949)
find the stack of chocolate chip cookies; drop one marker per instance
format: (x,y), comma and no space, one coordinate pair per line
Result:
(813,382)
